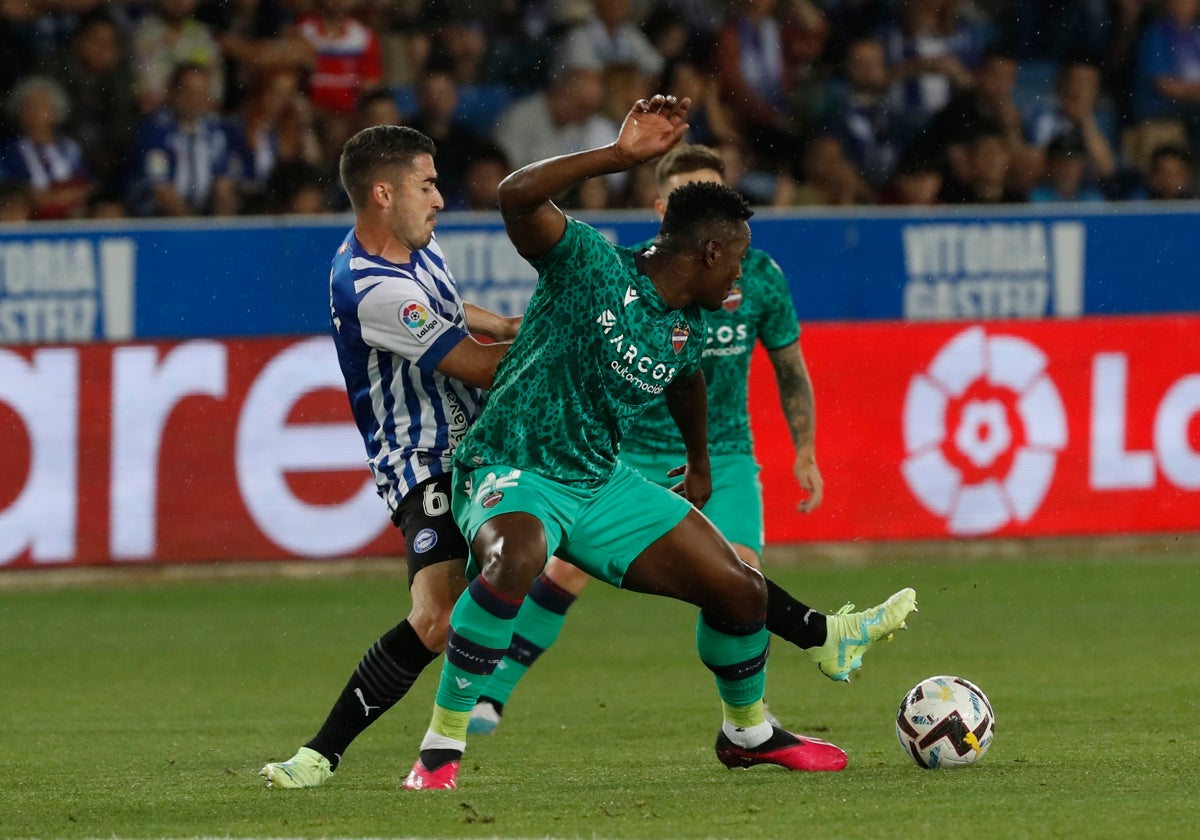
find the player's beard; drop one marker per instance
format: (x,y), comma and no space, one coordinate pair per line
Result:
(415,238)
(430,225)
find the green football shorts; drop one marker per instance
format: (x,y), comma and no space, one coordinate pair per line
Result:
(601,530)
(735,506)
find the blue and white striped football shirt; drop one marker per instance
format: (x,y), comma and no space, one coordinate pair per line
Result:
(393,324)
(188,157)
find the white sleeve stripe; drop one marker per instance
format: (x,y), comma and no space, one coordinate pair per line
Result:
(361,263)
(363,283)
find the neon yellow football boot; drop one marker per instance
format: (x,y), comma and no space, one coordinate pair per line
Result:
(306,769)
(851,633)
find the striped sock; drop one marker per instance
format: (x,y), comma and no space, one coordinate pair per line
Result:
(481,631)
(737,656)
(538,624)
(383,676)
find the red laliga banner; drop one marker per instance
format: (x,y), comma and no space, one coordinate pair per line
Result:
(239,450)
(1039,428)
(195,451)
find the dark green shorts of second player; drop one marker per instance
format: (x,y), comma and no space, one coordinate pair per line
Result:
(735,506)
(600,530)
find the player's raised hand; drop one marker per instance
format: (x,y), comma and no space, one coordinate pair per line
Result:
(653,126)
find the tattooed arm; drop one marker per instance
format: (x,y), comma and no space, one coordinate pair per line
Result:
(796,400)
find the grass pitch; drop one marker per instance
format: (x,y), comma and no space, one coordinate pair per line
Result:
(137,708)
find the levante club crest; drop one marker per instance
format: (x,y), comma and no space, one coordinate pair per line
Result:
(679,336)
(732,300)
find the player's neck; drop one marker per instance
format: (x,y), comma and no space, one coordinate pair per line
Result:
(378,241)
(667,277)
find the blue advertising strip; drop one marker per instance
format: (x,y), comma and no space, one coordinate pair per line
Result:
(249,277)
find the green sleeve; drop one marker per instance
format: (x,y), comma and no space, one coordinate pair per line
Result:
(570,249)
(780,326)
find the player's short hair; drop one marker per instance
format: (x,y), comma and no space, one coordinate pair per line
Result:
(689,157)
(376,148)
(698,212)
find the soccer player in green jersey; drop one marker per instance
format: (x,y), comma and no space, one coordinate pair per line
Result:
(759,308)
(607,332)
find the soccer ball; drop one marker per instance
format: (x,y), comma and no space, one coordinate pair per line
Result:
(945,722)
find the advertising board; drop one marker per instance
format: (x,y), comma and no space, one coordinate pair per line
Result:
(152,280)
(241,449)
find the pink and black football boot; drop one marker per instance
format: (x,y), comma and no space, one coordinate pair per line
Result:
(793,752)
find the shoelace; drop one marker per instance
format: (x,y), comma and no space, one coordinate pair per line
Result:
(849,608)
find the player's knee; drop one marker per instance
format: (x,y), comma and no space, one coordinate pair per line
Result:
(745,599)
(511,553)
(511,572)
(431,623)
(748,555)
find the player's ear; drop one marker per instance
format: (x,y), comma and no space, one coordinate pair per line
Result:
(381,193)
(712,252)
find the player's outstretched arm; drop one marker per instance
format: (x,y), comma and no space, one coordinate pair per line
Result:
(534,223)
(472,362)
(495,326)
(799,408)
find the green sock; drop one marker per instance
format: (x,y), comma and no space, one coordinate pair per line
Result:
(480,632)
(538,625)
(737,656)
(449,724)
(744,716)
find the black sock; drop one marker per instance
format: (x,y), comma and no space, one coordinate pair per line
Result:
(433,759)
(791,620)
(384,675)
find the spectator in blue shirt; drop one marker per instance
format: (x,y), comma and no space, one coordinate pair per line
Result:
(1073,110)
(181,163)
(932,50)
(274,124)
(49,162)
(1167,75)
(865,117)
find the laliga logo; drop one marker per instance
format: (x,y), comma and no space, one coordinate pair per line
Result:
(414,315)
(982,430)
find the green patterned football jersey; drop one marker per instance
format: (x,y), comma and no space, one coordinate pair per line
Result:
(758,308)
(597,346)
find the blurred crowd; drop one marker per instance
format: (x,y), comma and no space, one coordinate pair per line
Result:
(219,107)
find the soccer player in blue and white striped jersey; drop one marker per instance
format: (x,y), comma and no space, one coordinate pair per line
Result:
(393,325)
(415,376)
